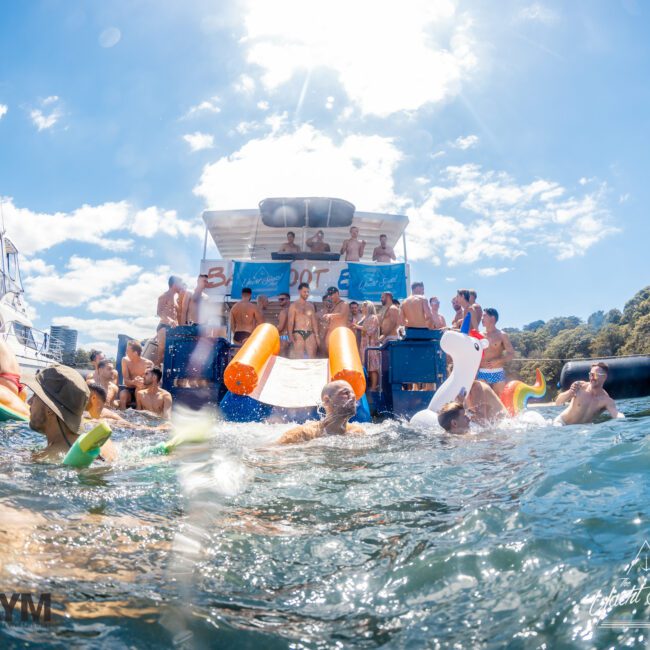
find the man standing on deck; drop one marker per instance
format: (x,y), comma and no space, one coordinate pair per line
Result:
(353,247)
(283,323)
(290,246)
(437,319)
(463,300)
(383,252)
(244,317)
(317,243)
(415,311)
(389,320)
(191,311)
(169,312)
(301,322)
(152,398)
(474,306)
(587,398)
(498,353)
(263,306)
(133,369)
(338,317)
(340,404)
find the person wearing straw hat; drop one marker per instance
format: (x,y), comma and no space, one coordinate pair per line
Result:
(56,410)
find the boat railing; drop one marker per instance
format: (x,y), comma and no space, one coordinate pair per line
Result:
(32,339)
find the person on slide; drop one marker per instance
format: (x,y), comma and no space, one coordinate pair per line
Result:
(481,406)
(587,399)
(12,391)
(340,405)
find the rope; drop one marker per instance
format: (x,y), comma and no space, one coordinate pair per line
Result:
(621,356)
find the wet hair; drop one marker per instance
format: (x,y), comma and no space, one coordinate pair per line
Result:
(94,354)
(491,311)
(157,372)
(247,290)
(303,285)
(416,285)
(174,279)
(464,293)
(601,364)
(103,363)
(135,346)
(291,233)
(472,292)
(99,391)
(448,413)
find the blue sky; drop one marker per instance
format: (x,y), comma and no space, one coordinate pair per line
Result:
(515,140)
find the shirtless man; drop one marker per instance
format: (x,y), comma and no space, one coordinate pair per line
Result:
(438,321)
(263,307)
(168,311)
(104,378)
(389,321)
(191,305)
(481,406)
(587,398)
(498,353)
(133,369)
(339,316)
(353,247)
(475,306)
(463,300)
(457,320)
(95,357)
(289,246)
(56,410)
(302,324)
(321,317)
(244,317)
(340,404)
(96,407)
(283,323)
(317,243)
(152,398)
(383,252)
(415,310)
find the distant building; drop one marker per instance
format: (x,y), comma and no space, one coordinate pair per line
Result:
(64,340)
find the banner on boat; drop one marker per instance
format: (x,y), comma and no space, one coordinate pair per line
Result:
(369,281)
(318,274)
(268,278)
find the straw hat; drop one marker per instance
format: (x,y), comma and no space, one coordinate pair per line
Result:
(64,391)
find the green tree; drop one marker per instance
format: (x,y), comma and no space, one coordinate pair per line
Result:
(638,336)
(637,307)
(596,320)
(608,341)
(82,359)
(613,317)
(556,325)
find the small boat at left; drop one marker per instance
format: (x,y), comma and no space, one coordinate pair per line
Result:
(30,345)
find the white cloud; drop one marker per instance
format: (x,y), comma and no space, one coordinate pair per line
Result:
(48,114)
(110,37)
(495,217)
(537,12)
(3,110)
(491,271)
(329,103)
(466,142)
(388,59)
(245,84)
(34,266)
(263,105)
(151,221)
(85,280)
(199,141)
(207,106)
(107,329)
(359,168)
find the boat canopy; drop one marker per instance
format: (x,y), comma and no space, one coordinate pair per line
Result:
(255,234)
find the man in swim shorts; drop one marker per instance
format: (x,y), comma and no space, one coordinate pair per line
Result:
(133,369)
(302,325)
(12,391)
(498,353)
(481,406)
(152,398)
(56,410)
(415,310)
(389,319)
(168,311)
(587,398)
(244,317)
(340,404)
(284,300)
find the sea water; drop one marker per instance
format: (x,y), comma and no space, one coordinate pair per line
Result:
(517,536)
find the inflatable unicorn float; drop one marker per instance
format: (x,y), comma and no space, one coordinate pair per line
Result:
(466,348)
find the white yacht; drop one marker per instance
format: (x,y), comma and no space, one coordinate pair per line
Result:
(16,328)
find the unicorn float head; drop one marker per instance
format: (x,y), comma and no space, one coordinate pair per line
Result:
(466,349)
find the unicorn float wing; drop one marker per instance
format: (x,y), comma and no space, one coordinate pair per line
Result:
(466,351)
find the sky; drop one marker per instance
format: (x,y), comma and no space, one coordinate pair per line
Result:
(514,136)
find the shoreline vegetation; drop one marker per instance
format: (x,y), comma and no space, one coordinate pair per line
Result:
(548,345)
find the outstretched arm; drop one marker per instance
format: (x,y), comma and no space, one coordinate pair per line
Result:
(612,409)
(568,395)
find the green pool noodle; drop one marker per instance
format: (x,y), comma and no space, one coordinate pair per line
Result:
(87,446)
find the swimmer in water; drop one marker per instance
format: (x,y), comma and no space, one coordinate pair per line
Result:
(481,406)
(587,399)
(56,410)
(340,404)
